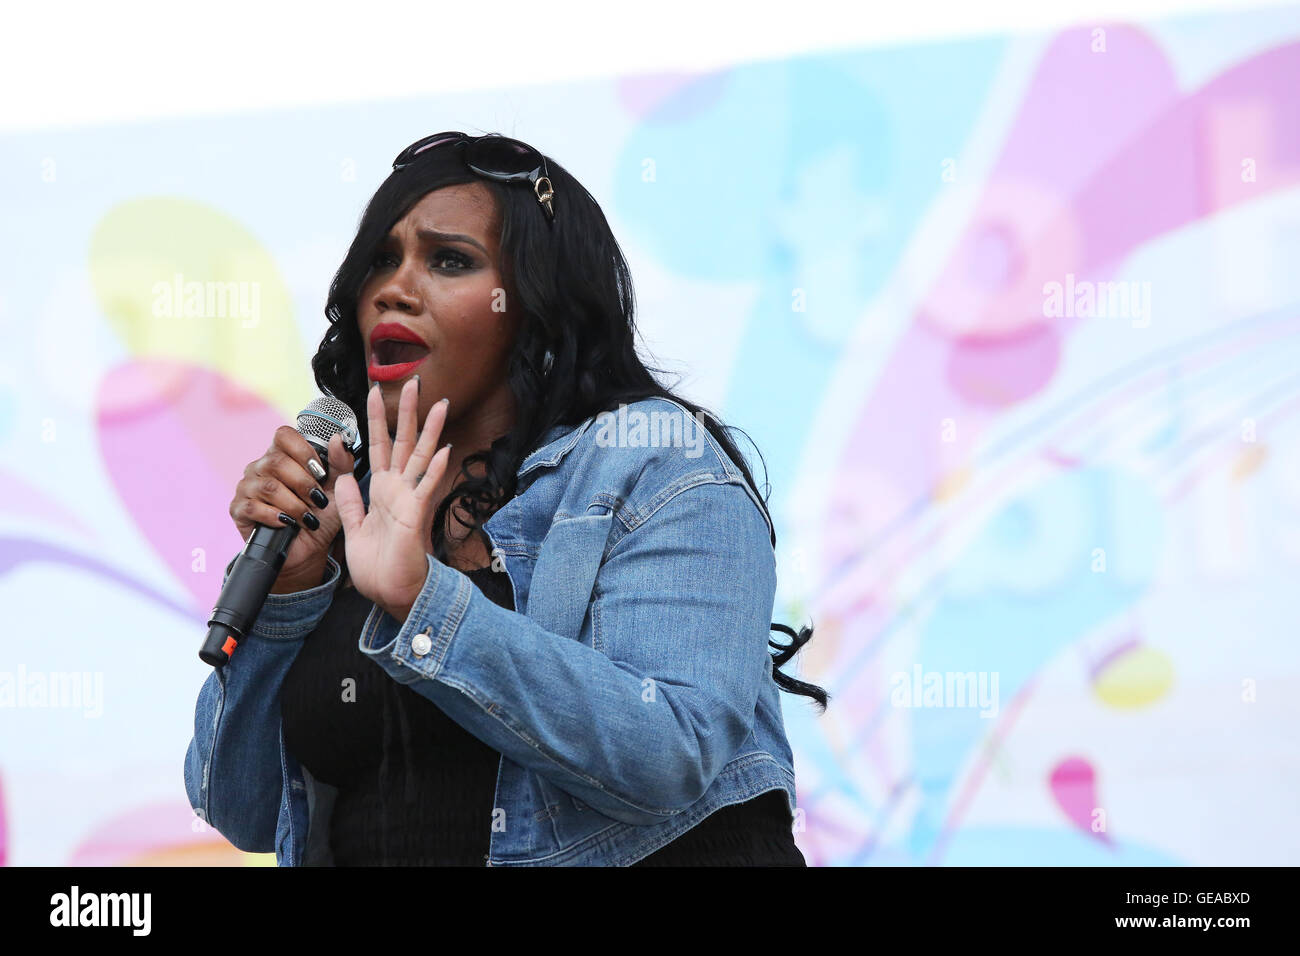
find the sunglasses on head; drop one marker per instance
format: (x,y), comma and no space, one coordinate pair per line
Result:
(495,157)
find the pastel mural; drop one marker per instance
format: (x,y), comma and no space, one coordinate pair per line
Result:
(1015,323)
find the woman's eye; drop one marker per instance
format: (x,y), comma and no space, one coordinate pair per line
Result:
(444,259)
(457,260)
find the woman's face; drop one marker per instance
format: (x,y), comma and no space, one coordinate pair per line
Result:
(434,304)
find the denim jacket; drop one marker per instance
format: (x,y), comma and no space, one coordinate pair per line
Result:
(630,696)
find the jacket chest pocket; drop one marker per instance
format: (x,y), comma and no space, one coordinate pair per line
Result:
(565,572)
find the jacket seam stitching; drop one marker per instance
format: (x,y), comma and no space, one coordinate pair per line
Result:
(205,797)
(685,484)
(287,792)
(451,620)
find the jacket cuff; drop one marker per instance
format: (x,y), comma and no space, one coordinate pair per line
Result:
(295,615)
(415,649)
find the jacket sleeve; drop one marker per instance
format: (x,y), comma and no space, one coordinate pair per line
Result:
(233,771)
(638,726)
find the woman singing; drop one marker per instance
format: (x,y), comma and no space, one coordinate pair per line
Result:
(529,625)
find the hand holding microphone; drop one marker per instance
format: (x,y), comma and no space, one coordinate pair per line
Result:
(277,505)
(279,489)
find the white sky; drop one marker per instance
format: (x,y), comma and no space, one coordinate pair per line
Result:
(73,64)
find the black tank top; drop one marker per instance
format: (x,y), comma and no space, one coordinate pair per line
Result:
(417,789)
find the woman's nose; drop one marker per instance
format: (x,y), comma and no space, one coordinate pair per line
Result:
(396,294)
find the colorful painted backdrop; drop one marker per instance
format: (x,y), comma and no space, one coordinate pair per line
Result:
(1015,323)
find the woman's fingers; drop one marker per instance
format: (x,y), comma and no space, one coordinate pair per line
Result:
(419,461)
(407,411)
(377,423)
(341,462)
(291,464)
(250,511)
(410,453)
(424,490)
(270,489)
(352,510)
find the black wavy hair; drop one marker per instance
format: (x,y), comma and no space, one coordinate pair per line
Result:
(574,355)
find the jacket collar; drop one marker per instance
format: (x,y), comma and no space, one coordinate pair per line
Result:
(556,443)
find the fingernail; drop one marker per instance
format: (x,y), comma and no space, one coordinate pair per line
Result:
(286,520)
(316,470)
(416,376)
(318,496)
(446,401)
(310,520)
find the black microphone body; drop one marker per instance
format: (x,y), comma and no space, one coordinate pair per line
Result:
(252,574)
(254,570)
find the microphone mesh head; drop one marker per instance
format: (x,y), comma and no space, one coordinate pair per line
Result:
(323,418)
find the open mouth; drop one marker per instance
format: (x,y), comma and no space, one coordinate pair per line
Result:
(392,352)
(395,352)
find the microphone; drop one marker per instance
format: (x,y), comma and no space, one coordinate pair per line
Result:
(254,570)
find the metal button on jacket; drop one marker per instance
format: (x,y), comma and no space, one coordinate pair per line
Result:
(421,645)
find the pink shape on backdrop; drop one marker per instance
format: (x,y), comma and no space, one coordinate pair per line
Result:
(1004,370)
(1063,202)
(1074,786)
(1079,110)
(176,439)
(993,284)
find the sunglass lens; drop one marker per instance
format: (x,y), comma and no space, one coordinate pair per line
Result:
(425,145)
(505,156)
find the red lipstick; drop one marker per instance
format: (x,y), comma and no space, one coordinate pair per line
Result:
(395,352)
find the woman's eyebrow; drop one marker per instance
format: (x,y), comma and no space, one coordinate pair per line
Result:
(431,235)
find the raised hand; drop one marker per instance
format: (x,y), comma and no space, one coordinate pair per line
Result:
(387,545)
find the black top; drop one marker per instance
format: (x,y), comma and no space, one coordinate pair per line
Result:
(417,789)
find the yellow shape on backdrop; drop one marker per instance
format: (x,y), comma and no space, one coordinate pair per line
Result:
(1136,679)
(180,279)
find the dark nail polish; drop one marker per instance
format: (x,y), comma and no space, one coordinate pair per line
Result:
(285,519)
(310,520)
(319,498)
